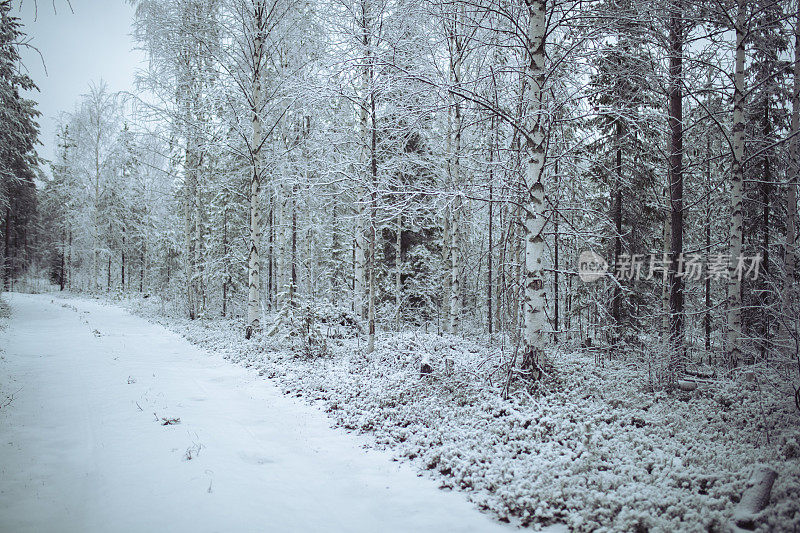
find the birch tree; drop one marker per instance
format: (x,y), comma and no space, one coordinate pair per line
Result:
(534,218)
(181,38)
(734,300)
(260,26)
(96,124)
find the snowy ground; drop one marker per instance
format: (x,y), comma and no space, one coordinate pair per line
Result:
(83,448)
(595,447)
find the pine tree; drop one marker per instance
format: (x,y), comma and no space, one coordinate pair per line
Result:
(18,138)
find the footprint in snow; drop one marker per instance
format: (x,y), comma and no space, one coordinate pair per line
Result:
(255,459)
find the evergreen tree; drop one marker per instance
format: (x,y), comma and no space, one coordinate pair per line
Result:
(18,137)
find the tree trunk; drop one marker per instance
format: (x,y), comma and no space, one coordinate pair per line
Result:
(311,258)
(534,222)
(766,192)
(69,261)
(225,259)
(142,265)
(335,254)
(456,221)
(293,284)
(665,325)
(253,259)
(490,250)
(373,218)
(447,257)
(734,347)
(257,140)
(63,254)
(191,225)
(676,296)
(707,252)
(616,307)
(271,253)
(122,261)
(96,218)
(360,259)
(398,280)
(455,268)
(7,250)
(502,287)
(617,195)
(517,301)
(556,265)
(360,283)
(791,191)
(568,309)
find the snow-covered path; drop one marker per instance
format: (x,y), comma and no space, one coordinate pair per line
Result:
(81,448)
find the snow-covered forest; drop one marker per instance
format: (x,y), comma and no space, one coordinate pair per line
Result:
(546,250)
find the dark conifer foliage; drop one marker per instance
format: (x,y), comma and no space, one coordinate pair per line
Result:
(18,159)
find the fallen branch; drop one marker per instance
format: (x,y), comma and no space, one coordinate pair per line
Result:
(9,399)
(699,373)
(755,498)
(690,383)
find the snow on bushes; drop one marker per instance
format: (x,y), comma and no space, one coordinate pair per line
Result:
(592,448)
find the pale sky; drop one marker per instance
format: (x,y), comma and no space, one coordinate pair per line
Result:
(86,44)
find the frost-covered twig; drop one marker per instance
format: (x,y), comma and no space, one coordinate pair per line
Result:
(9,399)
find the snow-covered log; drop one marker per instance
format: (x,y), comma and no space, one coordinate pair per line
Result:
(755,498)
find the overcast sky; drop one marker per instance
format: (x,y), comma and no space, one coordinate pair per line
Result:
(86,44)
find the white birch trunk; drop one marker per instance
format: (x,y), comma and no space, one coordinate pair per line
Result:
(278,244)
(254,193)
(734,331)
(288,213)
(535,323)
(360,282)
(189,95)
(447,257)
(455,227)
(373,173)
(371,266)
(197,260)
(373,223)
(96,213)
(455,268)
(360,260)
(190,187)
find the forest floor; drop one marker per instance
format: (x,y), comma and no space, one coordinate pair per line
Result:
(594,447)
(111,423)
